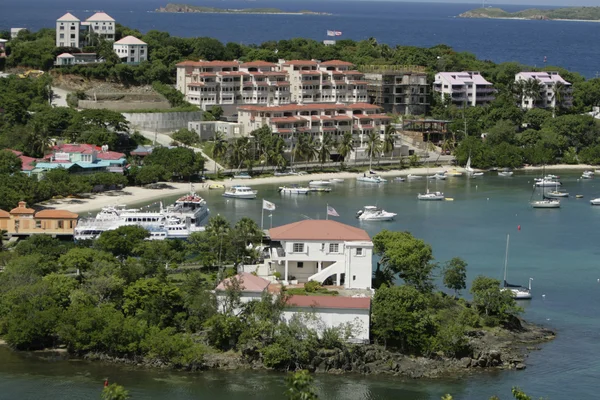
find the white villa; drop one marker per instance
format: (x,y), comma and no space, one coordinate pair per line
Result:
(320,250)
(316,312)
(72,32)
(547,97)
(466,88)
(131,50)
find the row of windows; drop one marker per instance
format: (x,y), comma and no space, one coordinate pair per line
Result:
(333,248)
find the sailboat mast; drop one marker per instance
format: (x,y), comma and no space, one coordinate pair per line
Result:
(506,258)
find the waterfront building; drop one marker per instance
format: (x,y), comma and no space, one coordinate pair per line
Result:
(466,88)
(325,251)
(24,221)
(316,312)
(292,120)
(82,159)
(549,83)
(131,50)
(398,89)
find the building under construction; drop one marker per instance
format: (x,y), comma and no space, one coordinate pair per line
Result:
(399,89)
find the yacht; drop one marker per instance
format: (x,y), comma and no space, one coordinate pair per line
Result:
(399,179)
(587,175)
(546,203)
(293,190)
(371,179)
(454,172)
(517,292)
(547,183)
(319,183)
(595,202)
(505,172)
(372,213)
(240,192)
(412,177)
(432,196)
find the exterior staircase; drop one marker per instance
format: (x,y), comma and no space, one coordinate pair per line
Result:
(335,268)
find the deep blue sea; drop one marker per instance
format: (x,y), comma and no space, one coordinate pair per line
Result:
(572,45)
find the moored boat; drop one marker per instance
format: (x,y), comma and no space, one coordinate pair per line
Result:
(293,190)
(371,179)
(373,213)
(242,175)
(319,183)
(431,196)
(595,202)
(240,192)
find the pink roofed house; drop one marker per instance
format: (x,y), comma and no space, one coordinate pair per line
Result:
(467,88)
(548,84)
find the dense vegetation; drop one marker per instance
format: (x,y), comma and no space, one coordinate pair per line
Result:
(115,296)
(577,13)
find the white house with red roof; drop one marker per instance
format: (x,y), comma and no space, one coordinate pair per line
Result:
(251,287)
(131,50)
(322,251)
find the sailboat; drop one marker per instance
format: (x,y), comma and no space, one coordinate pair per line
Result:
(470,171)
(517,292)
(430,195)
(557,193)
(545,202)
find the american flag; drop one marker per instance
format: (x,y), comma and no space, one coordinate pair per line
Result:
(334,33)
(331,211)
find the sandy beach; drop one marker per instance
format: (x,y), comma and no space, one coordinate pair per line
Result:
(135,194)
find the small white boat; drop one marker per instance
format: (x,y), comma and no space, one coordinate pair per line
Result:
(240,192)
(319,189)
(371,179)
(399,179)
(546,203)
(587,175)
(293,190)
(505,172)
(517,292)
(412,177)
(547,183)
(552,177)
(557,193)
(468,166)
(597,171)
(454,173)
(440,177)
(319,183)
(242,175)
(337,180)
(595,202)
(431,196)
(372,213)
(474,174)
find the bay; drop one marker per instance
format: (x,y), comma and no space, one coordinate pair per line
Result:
(567,44)
(558,248)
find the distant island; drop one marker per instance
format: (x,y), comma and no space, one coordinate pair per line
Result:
(567,13)
(186,8)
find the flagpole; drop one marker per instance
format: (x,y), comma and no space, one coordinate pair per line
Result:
(327,213)
(262,216)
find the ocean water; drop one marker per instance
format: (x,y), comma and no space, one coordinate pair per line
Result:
(557,248)
(571,45)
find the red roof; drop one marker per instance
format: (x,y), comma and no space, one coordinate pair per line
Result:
(300,62)
(351,72)
(280,120)
(362,116)
(301,107)
(54,214)
(310,72)
(314,229)
(363,105)
(355,303)
(342,118)
(337,63)
(221,64)
(4,214)
(88,149)
(233,73)
(22,209)
(268,73)
(26,162)
(258,63)
(247,281)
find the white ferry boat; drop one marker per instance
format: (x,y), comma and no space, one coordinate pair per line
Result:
(240,192)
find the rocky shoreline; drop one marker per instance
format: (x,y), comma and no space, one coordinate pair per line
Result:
(492,349)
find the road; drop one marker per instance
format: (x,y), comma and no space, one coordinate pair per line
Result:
(59,97)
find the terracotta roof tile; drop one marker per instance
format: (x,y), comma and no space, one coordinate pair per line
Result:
(22,209)
(355,303)
(337,63)
(301,62)
(4,214)
(56,214)
(258,63)
(248,283)
(313,229)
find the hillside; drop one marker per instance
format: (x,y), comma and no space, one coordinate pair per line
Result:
(568,13)
(186,8)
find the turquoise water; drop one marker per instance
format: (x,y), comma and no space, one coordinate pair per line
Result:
(558,248)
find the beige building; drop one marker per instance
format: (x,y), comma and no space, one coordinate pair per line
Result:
(292,120)
(398,89)
(23,221)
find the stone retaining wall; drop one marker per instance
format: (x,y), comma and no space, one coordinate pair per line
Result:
(162,122)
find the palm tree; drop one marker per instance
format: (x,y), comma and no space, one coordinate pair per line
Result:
(220,148)
(373,145)
(239,151)
(389,140)
(325,149)
(306,148)
(559,95)
(216,229)
(346,145)
(532,88)
(518,90)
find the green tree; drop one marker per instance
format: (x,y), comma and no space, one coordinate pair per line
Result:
(346,145)
(325,149)
(185,136)
(300,386)
(114,392)
(455,275)
(389,140)
(10,163)
(123,241)
(493,301)
(373,146)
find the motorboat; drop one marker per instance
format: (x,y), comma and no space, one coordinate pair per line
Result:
(319,183)
(505,172)
(587,175)
(373,213)
(475,174)
(215,186)
(517,292)
(240,192)
(552,177)
(432,196)
(293,190)
(399,179)
(546,203)
(454,172)
(412,177)
(371,179)
(595,202)
(556,193)
(547,183)
(242,175)
(319,189)
(337,180)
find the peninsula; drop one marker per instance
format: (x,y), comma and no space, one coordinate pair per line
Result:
(185,8)
(567,13)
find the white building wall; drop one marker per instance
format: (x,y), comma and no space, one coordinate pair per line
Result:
(67,33)
(131,53)
(104,29)
(246,297)
(321,318)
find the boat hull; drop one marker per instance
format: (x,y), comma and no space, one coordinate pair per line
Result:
(545,204)
(246,196)
(595,202)
(425,197)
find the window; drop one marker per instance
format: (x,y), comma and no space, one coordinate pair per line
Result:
(300,264)
(62,35)
(38,224)
(60,224)
(131,59)
(72,36)
(298,248)
(334,247)
(359,251)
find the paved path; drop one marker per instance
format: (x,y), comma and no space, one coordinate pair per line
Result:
(165,140)
(59,97)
